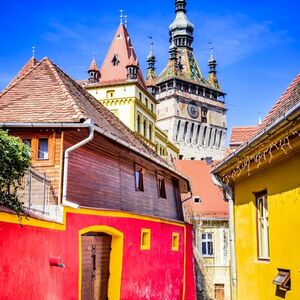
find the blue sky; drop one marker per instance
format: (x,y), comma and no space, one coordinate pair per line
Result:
(256,43)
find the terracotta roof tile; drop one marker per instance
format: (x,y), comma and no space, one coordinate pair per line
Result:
(47,95)
(93,66)
(212,204)
(122,51)
(239,135)
(290,98)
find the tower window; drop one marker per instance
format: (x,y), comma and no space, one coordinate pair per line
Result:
(177,131)
(150,131)
(204,115)
(204,135)
(138,126)
(220,139)
(145,128)
(115,60)
(110,94)
(209,138)
(185,130)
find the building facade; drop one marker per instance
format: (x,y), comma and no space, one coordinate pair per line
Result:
(104,215)
(208,213)
(263,174)
(191,108)
(120,86)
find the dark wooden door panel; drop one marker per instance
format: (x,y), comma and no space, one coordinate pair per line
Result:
(96,248)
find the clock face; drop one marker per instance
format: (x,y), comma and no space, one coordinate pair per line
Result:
(193,110)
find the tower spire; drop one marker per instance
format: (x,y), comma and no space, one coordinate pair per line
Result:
(212,63)
(151,60)
(93,71)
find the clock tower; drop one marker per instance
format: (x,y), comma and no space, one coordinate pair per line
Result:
(191,109)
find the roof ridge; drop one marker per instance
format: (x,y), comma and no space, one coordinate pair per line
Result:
(17,80)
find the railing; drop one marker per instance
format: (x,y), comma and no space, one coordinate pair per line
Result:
(35,192)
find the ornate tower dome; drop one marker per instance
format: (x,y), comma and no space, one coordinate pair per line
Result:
(181,30)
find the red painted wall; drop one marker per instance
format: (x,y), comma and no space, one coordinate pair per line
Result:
(25,272)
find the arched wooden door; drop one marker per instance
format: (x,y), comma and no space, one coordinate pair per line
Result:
(96,248)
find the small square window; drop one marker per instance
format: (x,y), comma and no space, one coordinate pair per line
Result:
(145,239)
(139,179)
(175,241)
(283,279)
(43,149)
(197,199)
(161,187)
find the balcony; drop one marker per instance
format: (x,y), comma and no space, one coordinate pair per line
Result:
(37,195)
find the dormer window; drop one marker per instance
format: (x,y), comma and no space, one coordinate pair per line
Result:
(115,60)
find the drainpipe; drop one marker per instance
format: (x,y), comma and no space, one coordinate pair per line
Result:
(65,202)
(229,196)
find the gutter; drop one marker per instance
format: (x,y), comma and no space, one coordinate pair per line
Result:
(257,138)
(229,196)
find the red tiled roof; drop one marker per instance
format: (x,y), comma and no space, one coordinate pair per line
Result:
(212,204)
(241,134)
(30,64)
(290,98)
(93,66)
(121,48)
(45,94)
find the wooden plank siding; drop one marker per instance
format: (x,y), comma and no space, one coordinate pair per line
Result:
(101,175)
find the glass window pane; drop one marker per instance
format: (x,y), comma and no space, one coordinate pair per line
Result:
(43,148)
(204,248)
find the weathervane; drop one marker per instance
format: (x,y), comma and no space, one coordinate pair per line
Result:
(33,51)
(121,16)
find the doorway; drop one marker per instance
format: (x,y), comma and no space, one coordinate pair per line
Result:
(95,265)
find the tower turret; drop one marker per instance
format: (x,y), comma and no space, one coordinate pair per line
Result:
(94,72)
(132,67)
(151,74)
(212,63)
(181,30)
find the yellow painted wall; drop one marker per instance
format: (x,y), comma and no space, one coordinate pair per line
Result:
(282,181)
(127,101)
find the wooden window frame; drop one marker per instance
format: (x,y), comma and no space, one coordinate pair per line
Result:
(35,137)
(161,180)
(140,186)
(262,241)
(145,239)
